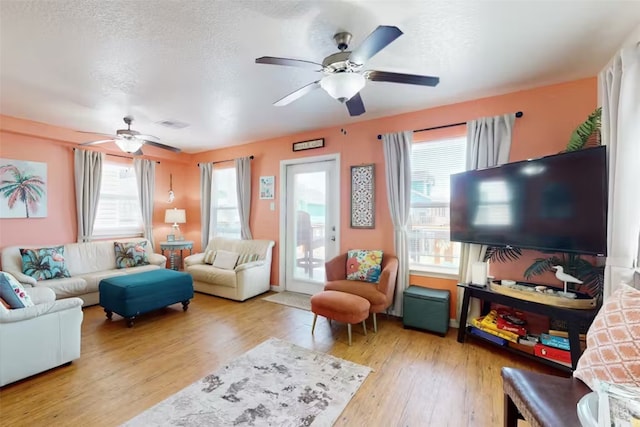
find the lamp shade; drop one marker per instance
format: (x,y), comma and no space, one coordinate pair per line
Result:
(342,86)
(129,145)
(175,216)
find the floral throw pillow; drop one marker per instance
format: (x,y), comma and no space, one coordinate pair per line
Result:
(131,254)
(12,292)
(44,263)
(364,265)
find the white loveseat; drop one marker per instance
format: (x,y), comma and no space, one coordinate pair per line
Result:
(88,264)
(35,339)
(242,282)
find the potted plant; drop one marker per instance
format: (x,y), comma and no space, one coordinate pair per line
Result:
(587,134)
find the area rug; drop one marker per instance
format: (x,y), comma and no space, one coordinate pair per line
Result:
(274,384)
(292,299)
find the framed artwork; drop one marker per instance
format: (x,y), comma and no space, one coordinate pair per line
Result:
(308,145)
(363,206)
(171,237)
(23,189)
(267,187)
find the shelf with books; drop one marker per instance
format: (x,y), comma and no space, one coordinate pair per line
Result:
(565,360)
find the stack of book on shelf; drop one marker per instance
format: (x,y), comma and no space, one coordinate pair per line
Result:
(499,326)
(555,346)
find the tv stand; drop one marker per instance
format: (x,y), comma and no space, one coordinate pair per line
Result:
(572,317)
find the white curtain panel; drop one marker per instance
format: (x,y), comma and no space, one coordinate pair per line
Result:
(619,85)
(87,168)
(146,179)
(397,161)
(206,176)
(488,145)
(243,188)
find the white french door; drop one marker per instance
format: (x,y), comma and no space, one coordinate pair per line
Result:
(310,215)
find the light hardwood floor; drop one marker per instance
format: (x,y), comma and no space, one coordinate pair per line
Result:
(418,378)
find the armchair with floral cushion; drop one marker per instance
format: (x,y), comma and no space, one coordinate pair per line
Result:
(368,274)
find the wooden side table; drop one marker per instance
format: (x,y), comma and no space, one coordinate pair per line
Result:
(173,248)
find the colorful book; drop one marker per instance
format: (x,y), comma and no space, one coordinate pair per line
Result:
(555,341)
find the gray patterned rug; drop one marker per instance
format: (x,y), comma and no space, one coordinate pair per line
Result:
(273,384)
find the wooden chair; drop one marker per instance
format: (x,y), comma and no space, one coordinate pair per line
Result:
(308,243)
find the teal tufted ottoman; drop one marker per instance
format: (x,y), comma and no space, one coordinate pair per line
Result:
(134,294)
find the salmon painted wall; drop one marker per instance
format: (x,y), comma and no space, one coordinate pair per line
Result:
(550,115)
(32,141)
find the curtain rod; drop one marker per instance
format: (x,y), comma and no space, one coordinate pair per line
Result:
(518,114)
(118,155)
(228,160)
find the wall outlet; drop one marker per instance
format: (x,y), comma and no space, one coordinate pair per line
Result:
(272,206)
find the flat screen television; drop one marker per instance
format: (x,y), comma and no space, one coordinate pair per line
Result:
(554,203)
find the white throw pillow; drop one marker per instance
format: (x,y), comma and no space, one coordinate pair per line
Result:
(225,260)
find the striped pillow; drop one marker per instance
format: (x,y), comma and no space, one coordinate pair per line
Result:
(245,258)
(209,256)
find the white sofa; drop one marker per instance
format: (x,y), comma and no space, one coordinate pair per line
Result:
(244,281)
(35,339)
(88,264)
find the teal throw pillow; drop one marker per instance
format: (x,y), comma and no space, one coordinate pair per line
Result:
(364,265)
(131,254)
(44,263)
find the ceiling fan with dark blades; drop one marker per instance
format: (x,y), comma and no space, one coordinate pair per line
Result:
(344,76)
(131,141)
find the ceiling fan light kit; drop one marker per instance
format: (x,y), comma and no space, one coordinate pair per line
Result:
(342,86)
(131,141)
(129,145)
(344,76)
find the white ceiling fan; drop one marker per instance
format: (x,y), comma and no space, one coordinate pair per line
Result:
(131,141)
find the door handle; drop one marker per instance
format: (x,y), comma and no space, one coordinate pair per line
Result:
(333,238)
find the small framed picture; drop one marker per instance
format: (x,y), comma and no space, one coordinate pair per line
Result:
(267,187)
(171,237)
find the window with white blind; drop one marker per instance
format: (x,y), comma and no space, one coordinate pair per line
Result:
(119,213)
(225,218)
(432,164)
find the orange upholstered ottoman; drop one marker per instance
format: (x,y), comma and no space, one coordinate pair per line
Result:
(341,307)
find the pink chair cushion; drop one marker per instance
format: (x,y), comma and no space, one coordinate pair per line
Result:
(366,290)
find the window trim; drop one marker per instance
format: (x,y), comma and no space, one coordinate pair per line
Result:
(428,270)
(215,208)
(118,232)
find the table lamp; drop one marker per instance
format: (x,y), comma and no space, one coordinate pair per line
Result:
(175,216)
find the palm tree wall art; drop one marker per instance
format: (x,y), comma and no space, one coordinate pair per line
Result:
(23,189)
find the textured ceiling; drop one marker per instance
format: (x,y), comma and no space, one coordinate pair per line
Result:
(86,64)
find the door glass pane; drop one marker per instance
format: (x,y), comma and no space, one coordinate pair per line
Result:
(310,192)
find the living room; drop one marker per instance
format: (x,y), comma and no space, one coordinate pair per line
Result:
(422,379)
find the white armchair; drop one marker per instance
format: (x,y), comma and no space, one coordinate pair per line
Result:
(35,339)
(242,282)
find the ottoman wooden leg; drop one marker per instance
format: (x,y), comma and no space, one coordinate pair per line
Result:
(349,332)
(130,321)
(364,327)
(109,313)
(375,324)
(315,317)
(185,305)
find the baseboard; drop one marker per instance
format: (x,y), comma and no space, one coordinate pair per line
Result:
(275,288)
(453,323)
